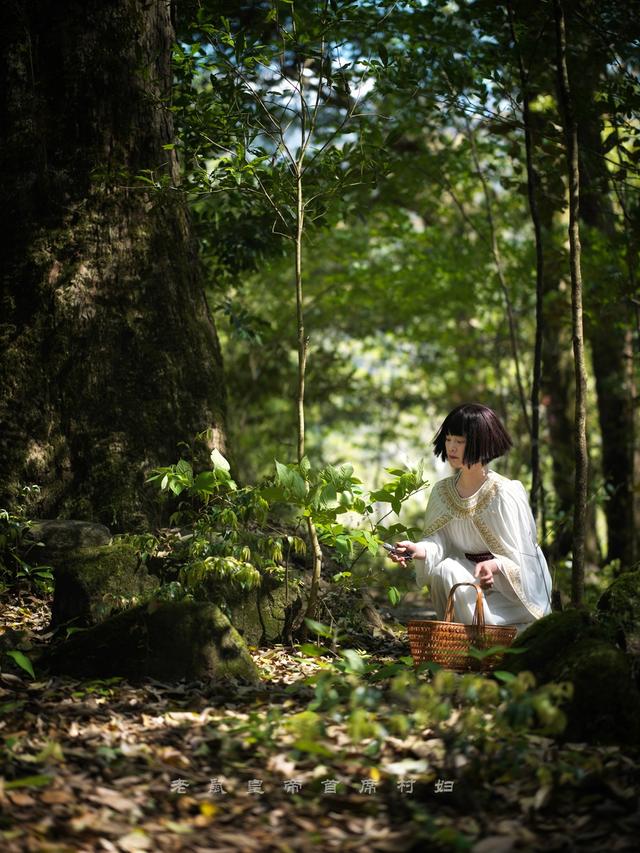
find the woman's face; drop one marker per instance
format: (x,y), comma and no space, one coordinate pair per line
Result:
(454,445)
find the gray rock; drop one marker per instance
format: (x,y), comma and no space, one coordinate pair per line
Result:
(59,537)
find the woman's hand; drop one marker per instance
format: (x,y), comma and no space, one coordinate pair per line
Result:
(485,572)
(407,549)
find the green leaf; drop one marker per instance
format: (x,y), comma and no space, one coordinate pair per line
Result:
(29,782)
(291,480)
(298,487)
(205,482)
(313,748)
(341,576)
(318,628)
(387,671)
(305,465)
(218,460)
(355,661)
(507,677)
(7,707)
(481,654)
(394,595)
(23,661)
(44,573)
(381,496)
(282,473)
(273,494)
(329,493)
(183,467)
(314,651)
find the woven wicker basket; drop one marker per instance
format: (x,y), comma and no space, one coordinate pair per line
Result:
(447,643)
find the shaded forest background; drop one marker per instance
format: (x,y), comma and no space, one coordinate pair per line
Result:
(140,176)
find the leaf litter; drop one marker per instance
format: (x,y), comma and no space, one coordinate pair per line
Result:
(108,765)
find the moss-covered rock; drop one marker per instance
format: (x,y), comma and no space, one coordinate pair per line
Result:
(265,614)
(92,583)
(575,646)
(545,640)
(168,641)
(619,609)
(605,707)
(278,608)
(245,615)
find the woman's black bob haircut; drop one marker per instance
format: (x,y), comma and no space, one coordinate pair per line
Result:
(486,436)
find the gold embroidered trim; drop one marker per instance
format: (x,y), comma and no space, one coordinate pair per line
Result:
(440,522)
(509,567)
(465,507)
(492,541)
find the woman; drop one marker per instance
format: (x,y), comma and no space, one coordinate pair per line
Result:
(479,528)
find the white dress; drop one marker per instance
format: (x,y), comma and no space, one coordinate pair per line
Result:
(497,519)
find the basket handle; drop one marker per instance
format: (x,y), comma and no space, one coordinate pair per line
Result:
(478,616)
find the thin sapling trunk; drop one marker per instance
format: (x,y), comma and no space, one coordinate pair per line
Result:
(581,460)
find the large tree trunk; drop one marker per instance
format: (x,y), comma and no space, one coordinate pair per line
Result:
(608,327)
(109,357)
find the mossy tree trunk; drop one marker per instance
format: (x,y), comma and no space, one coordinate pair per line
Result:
(108,354)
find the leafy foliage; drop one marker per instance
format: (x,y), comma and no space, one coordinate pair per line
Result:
(235,539)
(14,569)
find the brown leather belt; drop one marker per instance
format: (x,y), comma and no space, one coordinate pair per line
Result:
(479,558)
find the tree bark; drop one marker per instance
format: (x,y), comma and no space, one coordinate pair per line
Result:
(537,491)
(557,383)
(108,354)
(580,438)
(607,326)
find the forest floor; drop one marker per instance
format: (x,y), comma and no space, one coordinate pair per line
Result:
(112,766)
